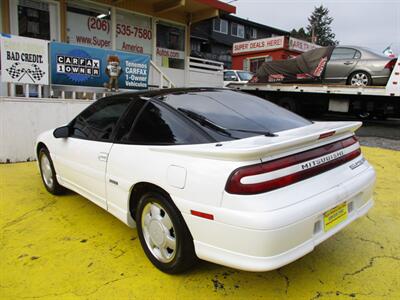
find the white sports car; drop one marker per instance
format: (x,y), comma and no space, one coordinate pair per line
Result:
(212,174)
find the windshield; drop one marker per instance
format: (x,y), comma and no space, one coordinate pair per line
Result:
(245,76)
(241,115)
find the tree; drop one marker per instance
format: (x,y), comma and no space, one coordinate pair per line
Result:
(319,29)
(300,34)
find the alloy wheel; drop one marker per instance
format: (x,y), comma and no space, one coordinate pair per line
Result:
(158,232)
(359,79)
(47,172)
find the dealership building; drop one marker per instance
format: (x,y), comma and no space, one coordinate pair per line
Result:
(59,56)
(157,28)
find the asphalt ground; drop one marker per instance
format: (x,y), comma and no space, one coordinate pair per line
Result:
(65,247)
(373,133)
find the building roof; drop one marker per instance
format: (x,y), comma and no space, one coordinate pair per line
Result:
(222,6)
(256,25)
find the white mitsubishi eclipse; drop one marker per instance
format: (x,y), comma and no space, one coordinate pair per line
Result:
(212,174)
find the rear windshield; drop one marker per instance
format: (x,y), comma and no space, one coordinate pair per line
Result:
(245,76)
(234,111)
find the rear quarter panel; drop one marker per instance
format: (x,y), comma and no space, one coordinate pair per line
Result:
(204,182)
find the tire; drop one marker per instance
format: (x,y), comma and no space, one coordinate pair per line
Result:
(48,173)
(289,104)
(359,78)
(161,228)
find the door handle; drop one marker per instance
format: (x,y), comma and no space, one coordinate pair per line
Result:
(348,63)
(102,156)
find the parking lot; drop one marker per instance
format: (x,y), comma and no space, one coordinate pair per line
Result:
(68,248)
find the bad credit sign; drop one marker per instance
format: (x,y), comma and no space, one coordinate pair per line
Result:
(259,45)
(24,60)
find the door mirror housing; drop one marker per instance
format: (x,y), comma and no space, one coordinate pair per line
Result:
(62,132)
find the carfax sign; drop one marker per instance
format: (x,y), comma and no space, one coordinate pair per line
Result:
(24,60)
(86,66)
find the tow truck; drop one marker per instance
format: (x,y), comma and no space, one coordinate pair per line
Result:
(378,102)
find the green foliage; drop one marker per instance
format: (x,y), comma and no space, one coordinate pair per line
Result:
(300,34)
(320,28)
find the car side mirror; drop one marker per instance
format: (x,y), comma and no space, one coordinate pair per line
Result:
(62,132)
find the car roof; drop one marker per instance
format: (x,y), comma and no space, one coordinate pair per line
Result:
(159,92)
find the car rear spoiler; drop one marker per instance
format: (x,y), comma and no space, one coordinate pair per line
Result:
(260,146)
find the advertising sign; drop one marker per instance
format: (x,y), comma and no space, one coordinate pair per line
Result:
(301,46)
(77,65)
(170,53)
(24,60)
(96,32)
(133,33)
(259,45)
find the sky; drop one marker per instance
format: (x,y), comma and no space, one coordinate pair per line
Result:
(370,23)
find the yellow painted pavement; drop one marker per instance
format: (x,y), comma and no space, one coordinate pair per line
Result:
(68,248)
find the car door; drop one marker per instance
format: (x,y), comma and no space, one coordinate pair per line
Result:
(342,62)
(130,160)
(82,157)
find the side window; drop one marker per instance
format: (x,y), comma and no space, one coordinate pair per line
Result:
(230,76)
(357,55)
(125,126)
(158,125)
(343,53)
(98,121)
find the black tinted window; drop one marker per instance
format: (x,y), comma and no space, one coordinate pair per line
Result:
(161,126)
(343,53)
(98,121)
(125,127)
(230,76)
(234,110)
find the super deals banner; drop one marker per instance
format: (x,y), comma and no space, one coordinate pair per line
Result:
(23,60)
(87,66)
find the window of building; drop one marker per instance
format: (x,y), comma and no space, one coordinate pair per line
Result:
(35,19)
(252,64)
(88,25)
(170,46)
(195,45)
(134,33)
(220,25)
(253,33)
(237,30)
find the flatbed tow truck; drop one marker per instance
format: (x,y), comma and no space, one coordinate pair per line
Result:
(378,102)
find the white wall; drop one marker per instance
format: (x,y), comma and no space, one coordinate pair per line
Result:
(204,78)
(177,76)
(22,120)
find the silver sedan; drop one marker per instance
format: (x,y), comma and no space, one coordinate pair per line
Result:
(358,66)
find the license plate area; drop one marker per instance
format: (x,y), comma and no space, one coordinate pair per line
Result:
(335,216)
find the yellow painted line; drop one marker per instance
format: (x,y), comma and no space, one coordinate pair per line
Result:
(68,248)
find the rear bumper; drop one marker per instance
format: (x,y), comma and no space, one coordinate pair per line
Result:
(260,249)
(380,80)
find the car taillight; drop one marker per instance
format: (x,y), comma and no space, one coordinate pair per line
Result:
(314,162)
(390,64)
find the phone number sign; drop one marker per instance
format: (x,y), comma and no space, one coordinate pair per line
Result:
(133,32)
